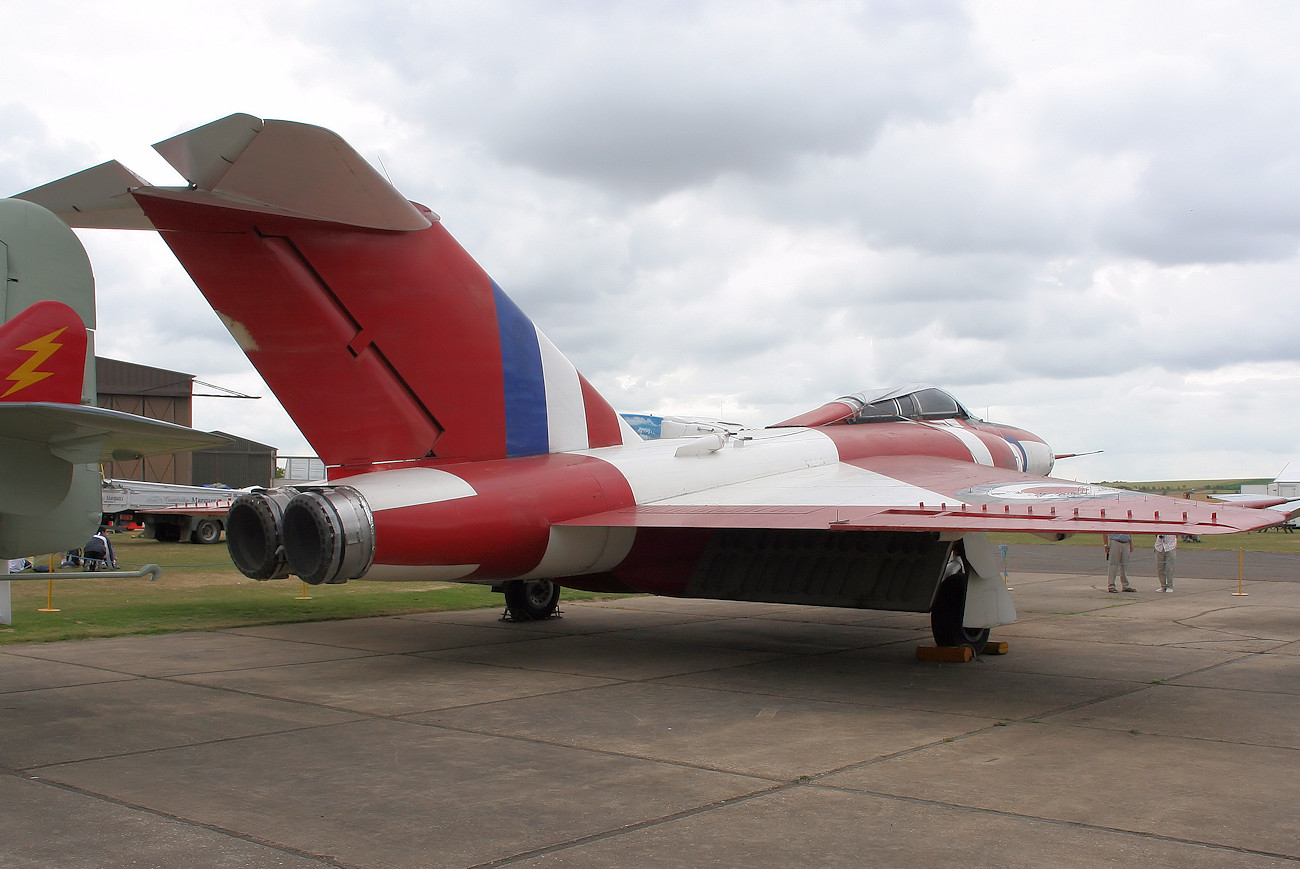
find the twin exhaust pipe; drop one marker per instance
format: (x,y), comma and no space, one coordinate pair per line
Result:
(322,534)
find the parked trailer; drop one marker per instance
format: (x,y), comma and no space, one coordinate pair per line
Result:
(168,511)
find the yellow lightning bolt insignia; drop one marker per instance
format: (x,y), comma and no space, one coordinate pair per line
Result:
(28,374)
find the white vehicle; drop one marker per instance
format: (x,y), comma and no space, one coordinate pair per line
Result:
(168,511)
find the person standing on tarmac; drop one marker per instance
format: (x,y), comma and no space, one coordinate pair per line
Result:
(1118,547)
(1166,552)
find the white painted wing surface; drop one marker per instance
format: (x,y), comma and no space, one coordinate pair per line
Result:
(922,493)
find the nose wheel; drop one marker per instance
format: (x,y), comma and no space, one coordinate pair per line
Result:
(530,600)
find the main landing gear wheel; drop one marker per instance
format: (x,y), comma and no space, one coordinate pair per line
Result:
(532,599)
(946,617)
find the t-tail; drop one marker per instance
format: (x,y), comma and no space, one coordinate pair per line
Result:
(383,339)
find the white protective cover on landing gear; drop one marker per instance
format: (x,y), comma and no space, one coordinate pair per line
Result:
(988,603)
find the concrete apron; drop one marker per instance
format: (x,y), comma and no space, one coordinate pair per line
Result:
(1148,729)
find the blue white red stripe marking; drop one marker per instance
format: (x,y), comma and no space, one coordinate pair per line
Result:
(566,413)
(545,406)
(524,384)
(979,451)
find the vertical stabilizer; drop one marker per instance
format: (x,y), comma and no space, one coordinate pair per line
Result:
(43,262)
(52,438)
(43,355)
(383,339)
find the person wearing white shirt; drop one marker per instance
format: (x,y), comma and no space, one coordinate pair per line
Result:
(1166,552)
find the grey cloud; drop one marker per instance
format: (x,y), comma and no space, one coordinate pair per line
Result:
(626,97)
(1212,135)
(750,208)
(30,154)
(1214,206)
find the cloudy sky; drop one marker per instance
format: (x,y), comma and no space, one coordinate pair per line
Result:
(1079,218)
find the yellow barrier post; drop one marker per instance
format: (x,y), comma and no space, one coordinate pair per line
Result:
(304,595)
(1241,560)
(49,595)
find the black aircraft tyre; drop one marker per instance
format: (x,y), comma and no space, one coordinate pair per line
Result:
(946,617)
(532,599)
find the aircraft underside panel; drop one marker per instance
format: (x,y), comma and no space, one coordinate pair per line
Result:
(886,571)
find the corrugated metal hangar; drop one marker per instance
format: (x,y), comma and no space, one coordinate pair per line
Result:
(157,393)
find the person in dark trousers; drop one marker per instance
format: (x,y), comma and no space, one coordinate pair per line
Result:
(98,553)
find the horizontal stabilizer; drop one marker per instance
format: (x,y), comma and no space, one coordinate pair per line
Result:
(94,198)
(87,435)
(205,154)
(273,167)
(296,169)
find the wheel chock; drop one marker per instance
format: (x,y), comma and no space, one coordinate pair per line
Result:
(946,654)
(958,654)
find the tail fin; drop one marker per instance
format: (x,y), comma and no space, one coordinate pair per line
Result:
(50,443)
(378,333)
(47,306)
(42,372)
(43,355)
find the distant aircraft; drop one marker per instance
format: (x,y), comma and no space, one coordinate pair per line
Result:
(52,438)
(462,445)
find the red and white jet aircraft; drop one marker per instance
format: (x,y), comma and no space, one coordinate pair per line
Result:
(462,444)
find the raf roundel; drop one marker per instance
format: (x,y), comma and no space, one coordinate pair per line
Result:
(1035,492)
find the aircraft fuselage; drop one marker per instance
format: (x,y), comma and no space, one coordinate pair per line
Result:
(504,519)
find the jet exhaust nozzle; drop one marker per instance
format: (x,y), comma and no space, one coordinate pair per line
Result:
(254,533)
(329,535)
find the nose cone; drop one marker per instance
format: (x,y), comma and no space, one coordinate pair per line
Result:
(1039,458)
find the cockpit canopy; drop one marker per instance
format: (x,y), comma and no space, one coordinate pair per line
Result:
(910,401)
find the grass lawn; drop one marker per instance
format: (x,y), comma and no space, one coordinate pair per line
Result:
(200,589)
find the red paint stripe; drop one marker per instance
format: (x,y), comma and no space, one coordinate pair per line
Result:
(382,346)
(1000,450)
(505,528)
(662,560)
(603,429)
(894,439)
(830,412)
